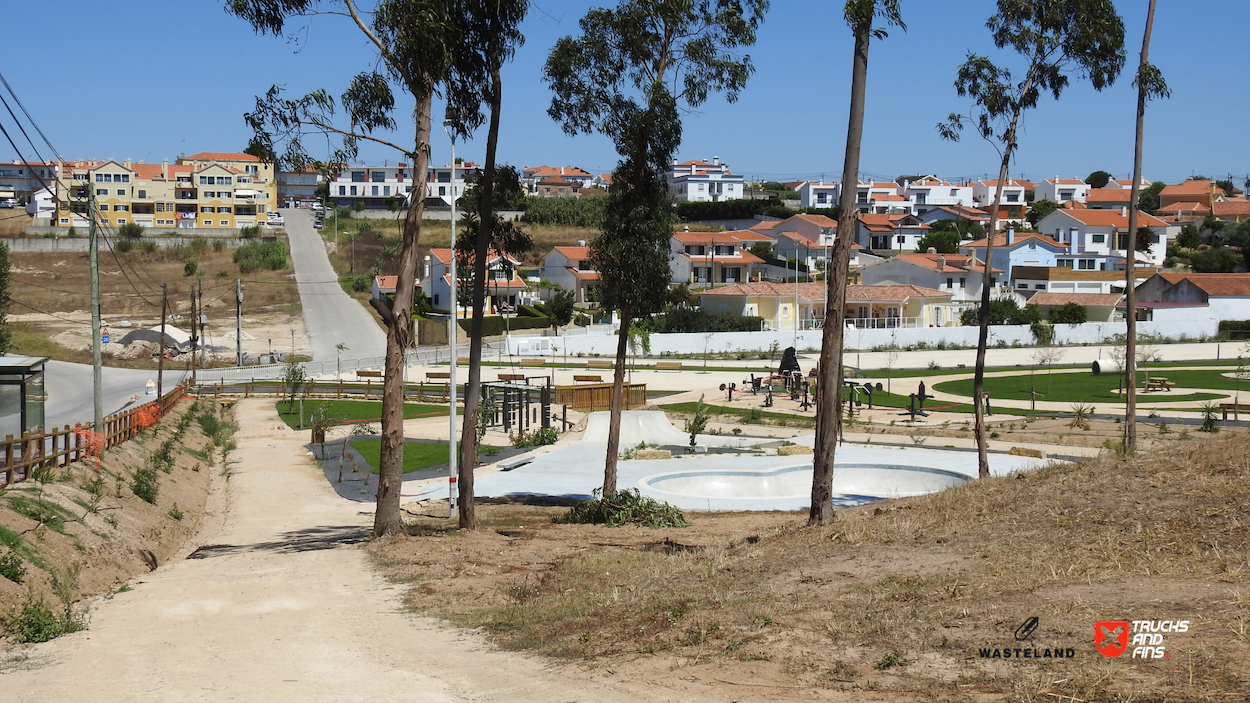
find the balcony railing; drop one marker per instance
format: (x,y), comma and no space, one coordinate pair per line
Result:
(881,323)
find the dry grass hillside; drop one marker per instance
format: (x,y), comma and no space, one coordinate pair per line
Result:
(894,600)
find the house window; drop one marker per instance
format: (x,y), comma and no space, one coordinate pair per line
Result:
(1022,285)
(104,220)
(208,194)
(1032,245)
(143,194)
(436,303)
(105,208)
(950,284)
(343,191)
(225,210)
(224,180)
(1086,264)
(730,274)
(1098,238)
(1012,197)
(225,223)
(121,220)
(442,190)
(386,190)
(583,265)
(104,178)
(358,176)
(1039,286)
(121,191)
(954,192)
(122,178)
(724,250)
(207,209)
(373,190)
(353,190)
(921,196)
(105,191)
(206,223)
(901,239)
(121,208)
(822,197)
(963,283)
(378,176)
(252,169)
(1064,263)
(206,180)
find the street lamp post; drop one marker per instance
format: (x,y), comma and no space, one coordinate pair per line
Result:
(453,467)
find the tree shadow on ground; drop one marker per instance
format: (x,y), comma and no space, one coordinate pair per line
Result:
(312,539)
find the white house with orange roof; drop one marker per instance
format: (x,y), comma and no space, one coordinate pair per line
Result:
(531,175)
(1097,239)
(819,194)
(1014,205)
(1108,198)
(703,181)
(571,269)
(881,197)
(1062,190)
(504,287)
(886,235)
(712,258)
(928,192)
(960,275)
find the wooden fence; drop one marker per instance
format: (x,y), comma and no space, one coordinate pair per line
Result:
(598,396)
(322,390)
(26,456)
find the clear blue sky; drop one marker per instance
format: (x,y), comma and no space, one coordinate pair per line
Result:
(148,79)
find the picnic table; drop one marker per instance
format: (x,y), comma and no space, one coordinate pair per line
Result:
(1159,384)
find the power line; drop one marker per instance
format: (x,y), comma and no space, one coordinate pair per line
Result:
(32,120)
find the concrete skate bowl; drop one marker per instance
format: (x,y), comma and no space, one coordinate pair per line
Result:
(852,484)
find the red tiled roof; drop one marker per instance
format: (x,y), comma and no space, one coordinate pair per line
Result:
(1110,195)
(574,253)
(818,220)
(1065,181)
(583,275)
(816,291)
(554,181)
(968,213)
(1189,188)
(220,156)
(1184,207)
(544,171)
(1231,208)
(765,225)
(1001,241)
(1112,218)
(1105,300)
(1217,284)
(957,262)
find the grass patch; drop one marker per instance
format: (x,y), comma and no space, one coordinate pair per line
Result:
(40,510)
(14,541)
(1088,388)
(417,455)
(351,411)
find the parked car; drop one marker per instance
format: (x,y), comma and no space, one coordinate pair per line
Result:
(317,224)
(276,220)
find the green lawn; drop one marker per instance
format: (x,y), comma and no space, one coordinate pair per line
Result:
(417,455)
(351,411)
(1088,388)
(880,399)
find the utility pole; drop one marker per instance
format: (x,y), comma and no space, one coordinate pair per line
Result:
(195,346)
(453,467)
(160,348)
(238,322)
(201,319)
(97,376)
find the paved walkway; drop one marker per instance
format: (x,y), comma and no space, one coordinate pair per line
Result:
(276,606)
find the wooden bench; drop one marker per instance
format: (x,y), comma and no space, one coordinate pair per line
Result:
(368,374)
(1226,408)
(587,379)
(533,363)
(438,376)
(668,366)
(512,377)
(600,363)
(1159,384)
(462,361)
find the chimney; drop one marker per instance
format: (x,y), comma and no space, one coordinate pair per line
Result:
(674,160)
(126,163)
(165,169)
(941,262)
(1124,210)
(716,161)
(1011,235)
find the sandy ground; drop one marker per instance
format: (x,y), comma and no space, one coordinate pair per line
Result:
(277,605)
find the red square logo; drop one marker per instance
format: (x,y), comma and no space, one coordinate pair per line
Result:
(1111,637)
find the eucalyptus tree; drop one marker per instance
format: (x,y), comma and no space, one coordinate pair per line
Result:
(419,49)
(859,15)
(627,76)
(1150,85)
(1054,39)
(489,38)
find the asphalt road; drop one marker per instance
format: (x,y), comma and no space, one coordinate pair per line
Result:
(330,315)
(69,390)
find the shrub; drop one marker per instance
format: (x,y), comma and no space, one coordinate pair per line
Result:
(218,245)
(361,284)
(190,267)
(625,507)
(540,437)
(698,320)
(573,212)
(1069,314)
(147,246)
(131,231)
(11,566)
(198,245)
(145,484)
(696,424)
(249,232)
(253,256)
(38,622)
(124,246)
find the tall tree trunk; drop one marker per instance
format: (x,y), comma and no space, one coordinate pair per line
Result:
(1130,277)
(386,519)
(481,250)
(829,380)
(618,403)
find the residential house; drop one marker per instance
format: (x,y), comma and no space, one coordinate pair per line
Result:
(377,187)
(20,179)
(765,227)
(384,287)
(1125,184)
(711,258)
(1231,209)
(532,175)
(1013,206)
(556,187)
(1011,250)
(1062,190)
(883,198)
(1097,239)
(1222,296)
(1099,307)
(570,268)
(442,183)
(890,234)
(1183,213)
(930,192)
(42,206)
(806,232)
(960,275)
(504,287)
(296,187)
(1029,280)
(701,181)
(1192,191)
(230,193)
(819,194)
(783,305)
(603,180)
(954,212)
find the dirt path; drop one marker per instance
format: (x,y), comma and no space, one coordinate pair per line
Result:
(276,605)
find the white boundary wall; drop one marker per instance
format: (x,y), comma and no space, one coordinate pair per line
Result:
(864,340)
